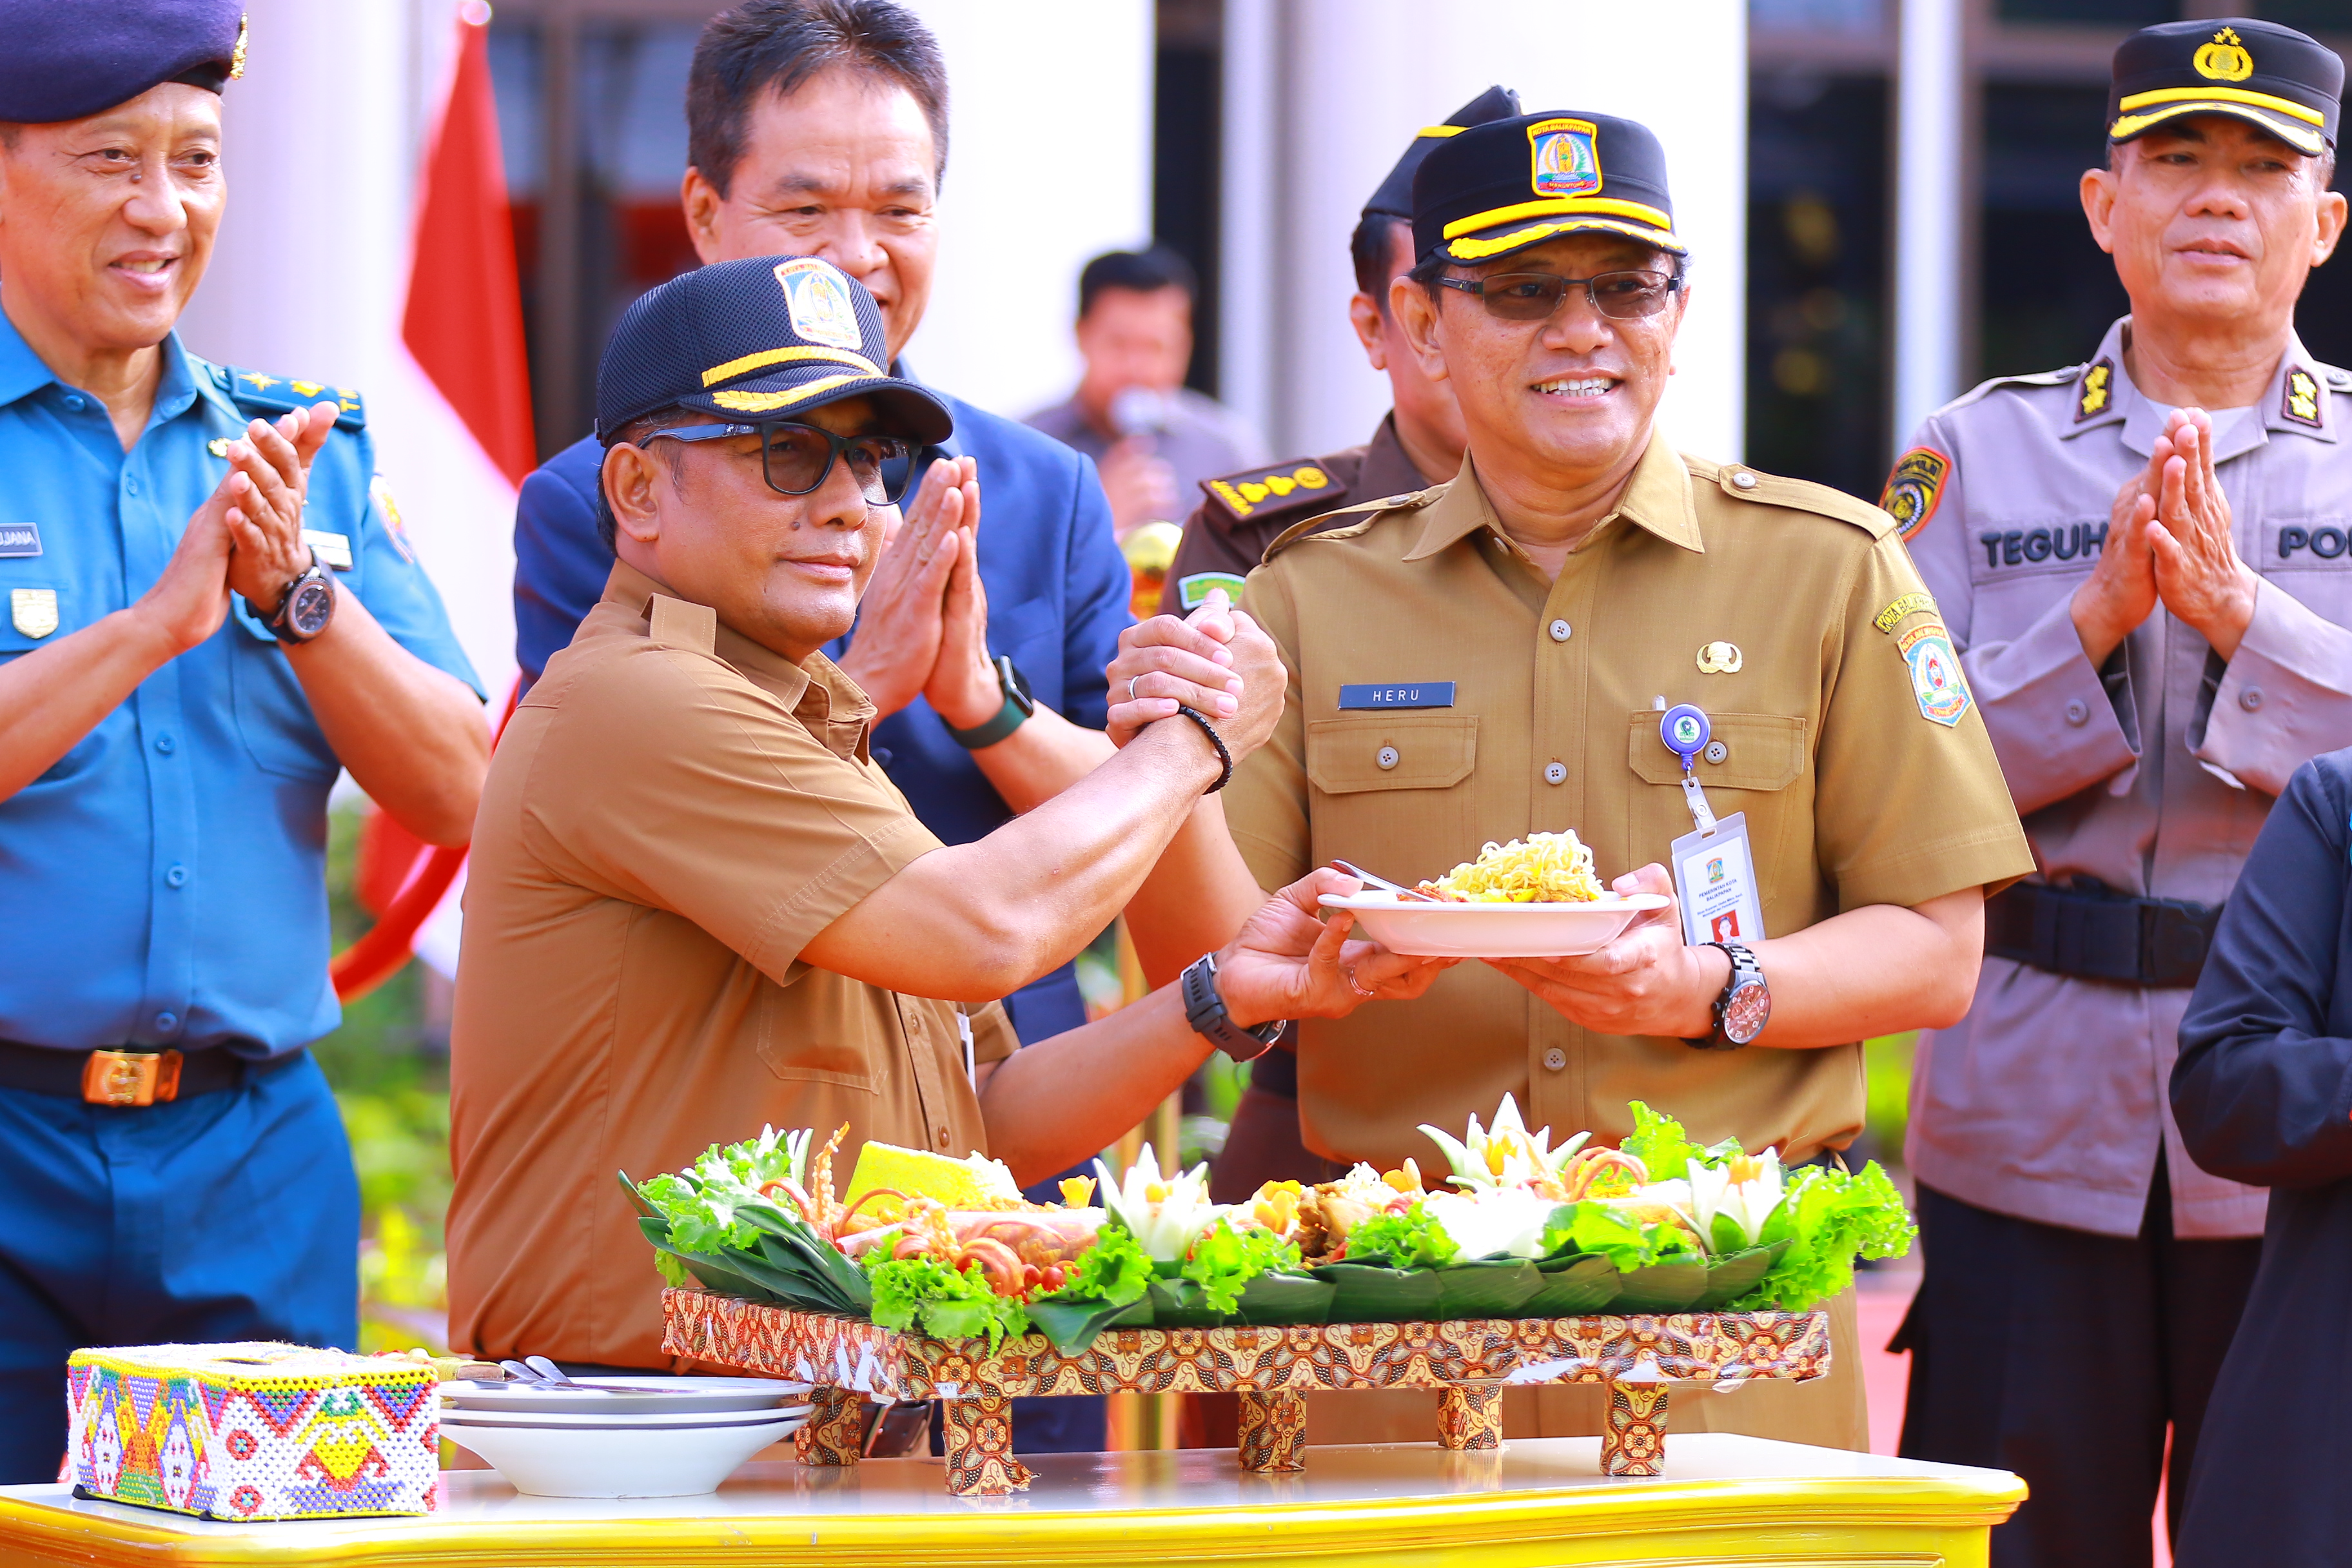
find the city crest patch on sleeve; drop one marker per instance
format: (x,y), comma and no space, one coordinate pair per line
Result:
(1914,489)
(1936,678)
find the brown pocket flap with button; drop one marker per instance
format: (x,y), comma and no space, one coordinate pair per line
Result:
(1419,751)
(1761,751)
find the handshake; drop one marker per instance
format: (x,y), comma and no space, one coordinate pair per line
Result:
(922,631)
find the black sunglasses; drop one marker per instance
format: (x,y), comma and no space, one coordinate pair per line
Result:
(1536,296)
(797,459)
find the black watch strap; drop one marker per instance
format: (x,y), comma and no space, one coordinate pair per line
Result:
(1205,1011)
(1018,706)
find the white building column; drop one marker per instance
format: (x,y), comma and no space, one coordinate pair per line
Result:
(1049,164)
(1321,96)
(1930,268)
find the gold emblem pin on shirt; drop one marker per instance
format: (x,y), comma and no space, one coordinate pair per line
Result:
(1719,659)
(33,610)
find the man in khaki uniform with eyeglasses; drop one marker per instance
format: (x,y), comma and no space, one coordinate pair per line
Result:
(1489,657)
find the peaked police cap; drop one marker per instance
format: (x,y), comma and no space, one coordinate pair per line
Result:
(2273,77)
(1511,183)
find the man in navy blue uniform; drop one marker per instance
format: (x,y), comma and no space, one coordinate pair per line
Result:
(210,613)
(819,128)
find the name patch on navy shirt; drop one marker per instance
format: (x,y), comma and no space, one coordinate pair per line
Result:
(1405,694)
(18,540)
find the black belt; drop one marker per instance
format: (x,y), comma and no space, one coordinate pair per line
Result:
(2092,932)
(128,1076)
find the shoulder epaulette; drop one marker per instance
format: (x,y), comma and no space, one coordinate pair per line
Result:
(2064,376)
(1312,527)
(1798,495)
(267,395)
(1276,489)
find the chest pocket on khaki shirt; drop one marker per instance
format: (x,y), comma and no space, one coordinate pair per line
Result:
(1764,753)
(1390,751)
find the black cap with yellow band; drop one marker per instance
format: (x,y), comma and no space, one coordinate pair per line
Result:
(1511,183)
(2268,75)
(765,337)
(1394,199)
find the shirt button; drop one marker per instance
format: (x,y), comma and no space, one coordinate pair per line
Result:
(1555,773)
(2075,712)
(1559,630)
(164,743)
(1715,752)
(176,877)
(881,755)
(167,1021)
(2251,699)
(73,401)
(131,484)
(943,1136)
(1386,756)
(1744,481)
(1555,1058)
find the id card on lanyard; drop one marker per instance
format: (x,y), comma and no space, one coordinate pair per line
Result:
(1715,875)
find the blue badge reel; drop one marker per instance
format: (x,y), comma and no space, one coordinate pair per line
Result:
(1715,875)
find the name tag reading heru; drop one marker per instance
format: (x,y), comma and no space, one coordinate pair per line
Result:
(1404,694)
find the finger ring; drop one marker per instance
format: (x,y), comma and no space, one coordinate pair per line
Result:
(1130,687)
(1356,986)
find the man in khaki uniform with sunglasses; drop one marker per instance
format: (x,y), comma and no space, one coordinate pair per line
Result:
(1489,659)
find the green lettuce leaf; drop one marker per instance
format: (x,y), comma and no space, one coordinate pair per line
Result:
(1116,1269)
(1592,1226)
(1224,1260)
(1828,1218)
(947,1305)
(1410,1240)
(1659,1141)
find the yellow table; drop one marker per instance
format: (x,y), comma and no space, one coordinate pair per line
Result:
(1534,1503)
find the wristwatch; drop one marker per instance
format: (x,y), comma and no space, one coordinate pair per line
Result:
(304,609)
(1018,706)
(1205,1011)
(1745,1007)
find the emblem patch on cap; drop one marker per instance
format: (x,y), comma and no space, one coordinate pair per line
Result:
(816,297)
(1914,489)
(33,610)
(1936,678)
(2225,59)
(1567,161)
(2098,387)
(2302,403)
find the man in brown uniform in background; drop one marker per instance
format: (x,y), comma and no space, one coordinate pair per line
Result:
(1488,659)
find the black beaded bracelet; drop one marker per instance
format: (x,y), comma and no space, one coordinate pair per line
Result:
(1223,757)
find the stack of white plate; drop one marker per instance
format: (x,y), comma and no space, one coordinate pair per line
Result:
(640,1435)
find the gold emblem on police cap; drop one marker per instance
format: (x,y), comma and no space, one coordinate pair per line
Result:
(237,56)
(33,610)
(1719,659)
(2225,59)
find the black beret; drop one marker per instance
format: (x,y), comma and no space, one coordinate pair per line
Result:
(766,337)
(1511,184)
(1394,199)
(66,60)
(2273,77)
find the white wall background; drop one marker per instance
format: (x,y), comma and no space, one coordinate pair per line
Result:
(1049,164)
(1323,95)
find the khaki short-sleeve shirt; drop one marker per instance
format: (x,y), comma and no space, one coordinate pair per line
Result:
(673,813)
(1857,789)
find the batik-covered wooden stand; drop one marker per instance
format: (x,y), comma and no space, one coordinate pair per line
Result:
(1469,1362)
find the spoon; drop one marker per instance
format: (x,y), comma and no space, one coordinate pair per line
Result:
(541,1373)
(1362,875)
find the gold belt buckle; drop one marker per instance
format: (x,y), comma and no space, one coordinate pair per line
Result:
(130,1078)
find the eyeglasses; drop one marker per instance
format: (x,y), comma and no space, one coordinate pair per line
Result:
(797,459)
(1536,296)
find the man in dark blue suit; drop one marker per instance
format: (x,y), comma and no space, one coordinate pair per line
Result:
(819,128)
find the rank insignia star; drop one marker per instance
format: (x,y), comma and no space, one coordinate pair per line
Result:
(2098,390)
(2302,403)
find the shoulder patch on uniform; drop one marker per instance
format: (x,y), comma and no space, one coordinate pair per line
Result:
(1803,495)
(381,493)
(263,394)
(1366,513)
(2301,402)
(2096,391)
(1901,610)
(1914,489)
(1277,488)
(1936,680)
(1194,591)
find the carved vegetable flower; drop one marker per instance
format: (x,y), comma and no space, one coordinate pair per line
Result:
(1165,1215)
(1506,1156)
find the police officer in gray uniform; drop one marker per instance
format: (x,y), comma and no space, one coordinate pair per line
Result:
(2143,561)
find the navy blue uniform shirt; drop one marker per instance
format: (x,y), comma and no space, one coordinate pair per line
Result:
(164,882)
(2262,1092)
(1058,600)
